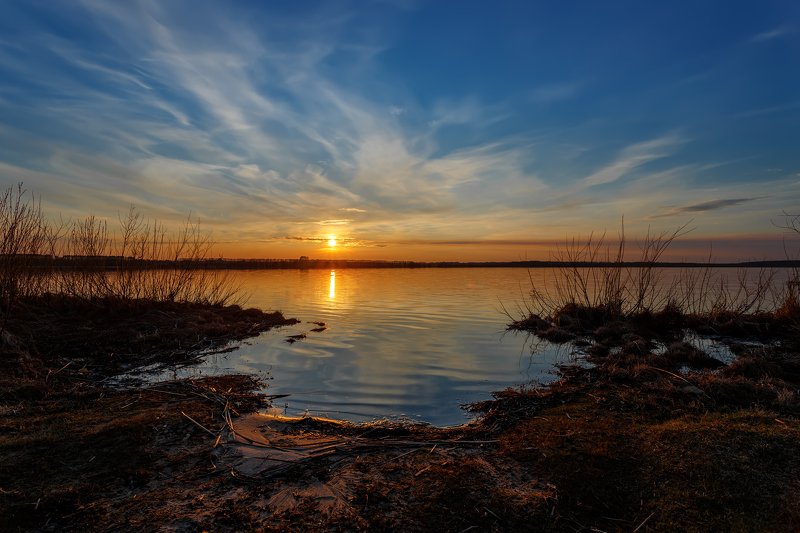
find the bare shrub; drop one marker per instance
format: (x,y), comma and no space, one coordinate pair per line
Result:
(598,277)
(26,245)
(790,308)
(144,262)
(144,246)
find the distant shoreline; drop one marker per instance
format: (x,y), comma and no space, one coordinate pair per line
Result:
(114,262)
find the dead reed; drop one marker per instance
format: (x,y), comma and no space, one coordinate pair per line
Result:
(141,251)
(30,243)
(605,282)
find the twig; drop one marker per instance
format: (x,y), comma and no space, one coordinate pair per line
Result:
(128,404)
(491,513)
(422,471)
(167,392)
(59,370)
(679,377)
(643,522)
(201,426)
(276,396)
(401,455)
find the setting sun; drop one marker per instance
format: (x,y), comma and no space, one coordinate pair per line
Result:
(331,241)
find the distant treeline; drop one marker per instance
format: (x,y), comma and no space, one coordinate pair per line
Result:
(77,262)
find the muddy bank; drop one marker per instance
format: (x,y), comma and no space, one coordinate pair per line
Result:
(588,453)
(104,336)
(639,441)
(72,447)
(77,458)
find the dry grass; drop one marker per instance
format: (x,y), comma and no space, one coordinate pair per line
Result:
(30,242)
(26,238)
(136,248)
(604,285)
(92,459)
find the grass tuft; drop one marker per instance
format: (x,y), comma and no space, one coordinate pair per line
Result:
(127,266)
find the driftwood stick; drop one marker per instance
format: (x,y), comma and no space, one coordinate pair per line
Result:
(198,424)
(643,522)
(681,378)
(166,392)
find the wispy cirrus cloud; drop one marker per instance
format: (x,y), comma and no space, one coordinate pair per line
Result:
(769,35)
(750,113)
(271,121)
(556,92)
(633,157)
(710,205)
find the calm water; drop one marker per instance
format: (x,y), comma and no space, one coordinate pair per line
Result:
(416,343)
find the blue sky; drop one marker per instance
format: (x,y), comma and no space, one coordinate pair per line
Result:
(409,129)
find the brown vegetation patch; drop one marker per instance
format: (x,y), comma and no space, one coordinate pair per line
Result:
(614,447)
(102,336)
(100,459)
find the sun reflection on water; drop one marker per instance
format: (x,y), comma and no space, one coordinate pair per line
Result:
(332,286)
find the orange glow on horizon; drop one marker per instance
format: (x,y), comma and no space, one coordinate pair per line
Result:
(737,248)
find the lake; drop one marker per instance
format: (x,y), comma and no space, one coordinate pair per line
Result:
(398,343)
(413,343)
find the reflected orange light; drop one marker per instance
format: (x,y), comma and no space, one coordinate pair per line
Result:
(332,286)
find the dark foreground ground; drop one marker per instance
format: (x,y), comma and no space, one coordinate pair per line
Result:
(645,440)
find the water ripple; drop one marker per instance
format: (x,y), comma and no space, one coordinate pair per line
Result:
(399,342)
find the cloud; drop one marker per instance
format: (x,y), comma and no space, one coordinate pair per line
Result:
(466,111)
(238,175)
(633,157)
(555,92)
(228,118)
(769,35)
(265,123)
(707,206)
(323,239)
(766,110)
(484,242)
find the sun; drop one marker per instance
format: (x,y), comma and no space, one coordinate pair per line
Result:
(331,241)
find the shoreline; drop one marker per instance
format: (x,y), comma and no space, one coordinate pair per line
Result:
(627,443)
(112,263)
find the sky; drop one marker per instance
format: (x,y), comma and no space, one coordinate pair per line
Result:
(405,129)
